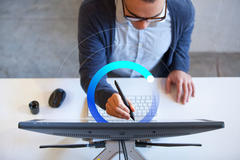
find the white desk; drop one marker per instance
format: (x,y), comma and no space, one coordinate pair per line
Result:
(216,99)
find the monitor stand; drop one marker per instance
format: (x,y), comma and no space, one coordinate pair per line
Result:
(114,147)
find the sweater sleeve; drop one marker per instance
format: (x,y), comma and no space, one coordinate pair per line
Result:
(181,60)
(92,56)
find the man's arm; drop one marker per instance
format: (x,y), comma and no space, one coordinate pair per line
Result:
(92,57)
(180,65)
(92,54)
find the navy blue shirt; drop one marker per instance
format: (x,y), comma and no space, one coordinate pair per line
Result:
(96,32)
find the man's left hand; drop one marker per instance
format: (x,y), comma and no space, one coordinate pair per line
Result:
(183,82)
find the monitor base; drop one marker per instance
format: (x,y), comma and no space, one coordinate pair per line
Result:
(114,147)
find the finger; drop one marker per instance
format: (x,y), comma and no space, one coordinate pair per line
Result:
(131,106)
(123,113)
(179,91)
(124,107)
(118,102)
(193,89)
(168,85)
(189,91)
(117,108)
(117,111)
(111,111)
(185,92)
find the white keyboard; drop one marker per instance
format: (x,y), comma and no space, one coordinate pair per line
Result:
(141,103)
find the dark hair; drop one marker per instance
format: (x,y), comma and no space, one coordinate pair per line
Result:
(150,1)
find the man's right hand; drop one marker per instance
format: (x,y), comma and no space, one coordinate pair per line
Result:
(115,107)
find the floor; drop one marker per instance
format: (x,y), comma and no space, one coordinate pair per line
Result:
(38,39)
(215,65)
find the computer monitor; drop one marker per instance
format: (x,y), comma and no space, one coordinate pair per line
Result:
(120,131)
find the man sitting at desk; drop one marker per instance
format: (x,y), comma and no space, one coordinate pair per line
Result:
(153,33)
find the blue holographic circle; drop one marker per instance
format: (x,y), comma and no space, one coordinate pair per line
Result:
(108,68)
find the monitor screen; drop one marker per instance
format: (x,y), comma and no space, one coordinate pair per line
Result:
(119,130)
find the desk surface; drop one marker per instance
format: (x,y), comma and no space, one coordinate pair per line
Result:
(216,99)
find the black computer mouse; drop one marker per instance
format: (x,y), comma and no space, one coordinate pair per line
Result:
(57,98)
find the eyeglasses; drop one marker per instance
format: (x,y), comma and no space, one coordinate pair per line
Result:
(136,18)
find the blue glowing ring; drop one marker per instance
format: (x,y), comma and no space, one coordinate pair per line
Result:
(108,68)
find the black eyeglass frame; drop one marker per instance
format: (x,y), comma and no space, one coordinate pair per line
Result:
(138,18)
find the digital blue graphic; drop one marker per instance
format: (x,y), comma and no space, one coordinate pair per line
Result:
(108,68)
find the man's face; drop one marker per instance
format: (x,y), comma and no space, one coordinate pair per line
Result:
(143,9)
